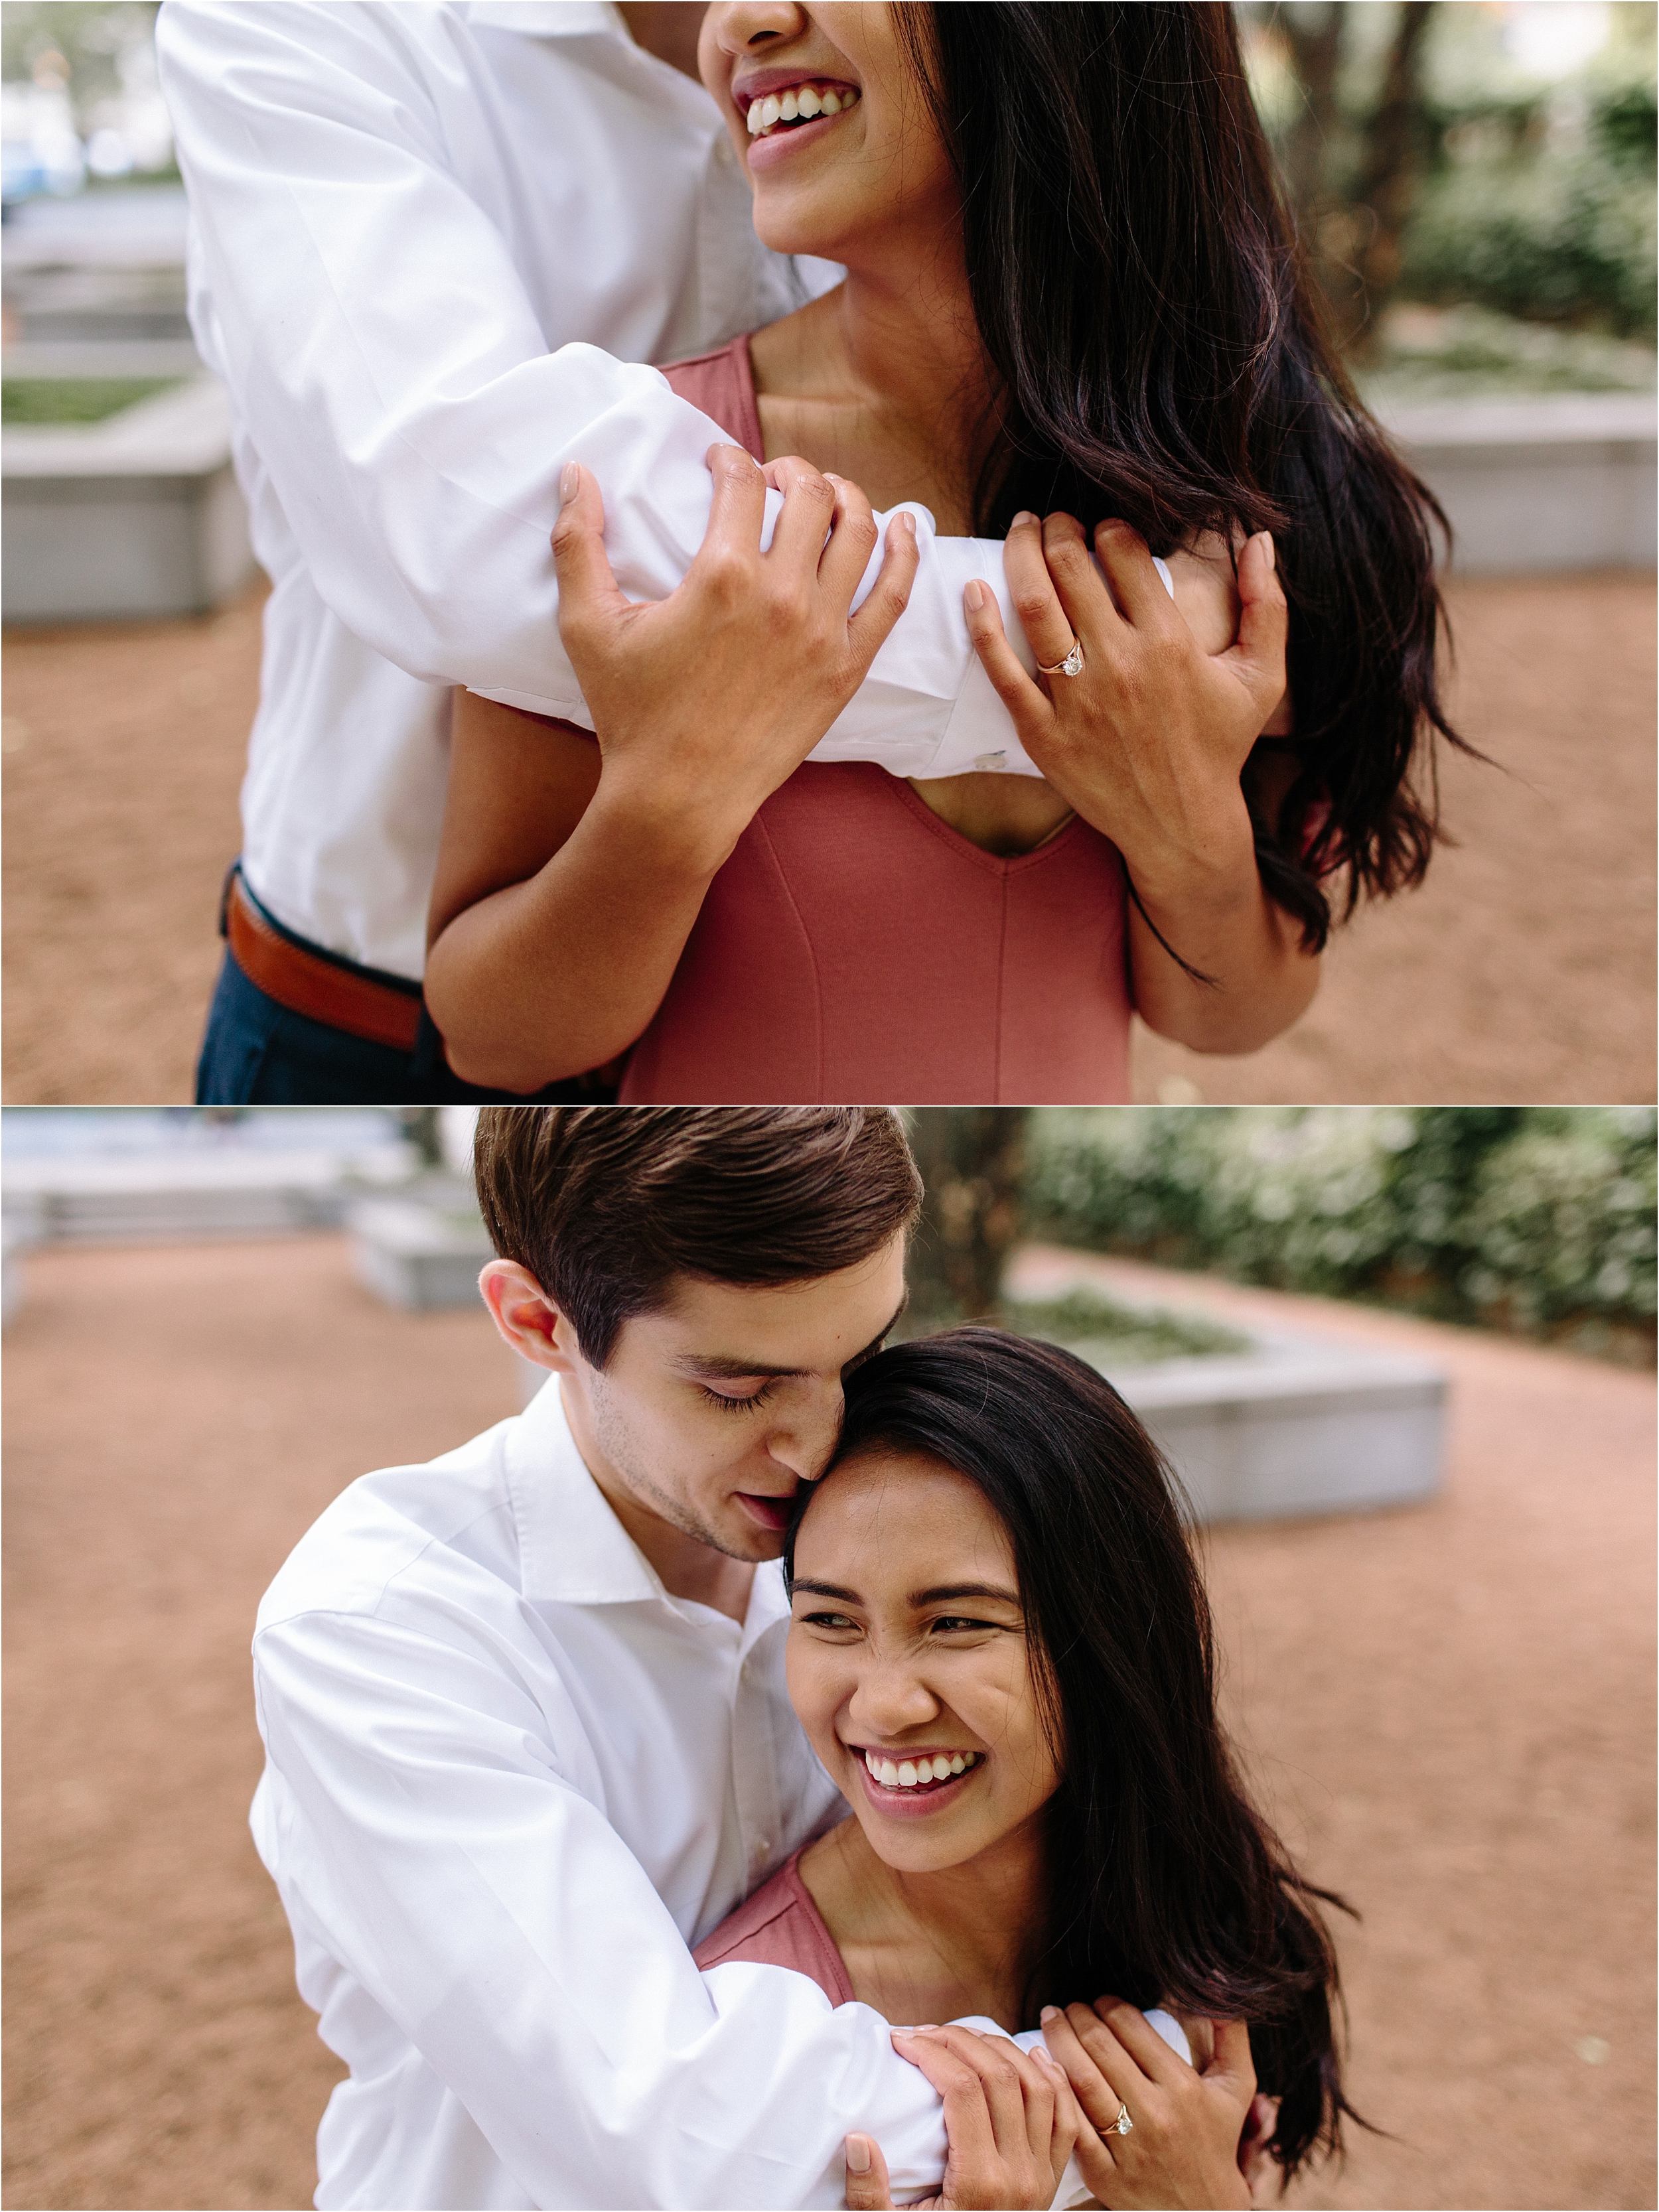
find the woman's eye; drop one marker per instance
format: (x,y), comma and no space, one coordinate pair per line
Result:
(954,1624)
(837,1621)
(735,1405)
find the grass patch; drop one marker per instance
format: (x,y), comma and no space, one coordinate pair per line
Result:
(1429,354)
(1108,1334)
(41,401)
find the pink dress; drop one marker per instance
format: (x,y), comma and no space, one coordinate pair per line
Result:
(855,948)
(780,1926)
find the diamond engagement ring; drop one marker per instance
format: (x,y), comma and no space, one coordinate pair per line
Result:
(1072,665)
(1120,2126)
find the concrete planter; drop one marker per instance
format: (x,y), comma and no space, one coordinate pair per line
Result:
(139,516)
(419,1257)
(240,1192)
(1295,1427)
(1534,485)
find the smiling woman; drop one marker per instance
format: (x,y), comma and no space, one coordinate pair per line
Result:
(1070,288)
(1001,1650)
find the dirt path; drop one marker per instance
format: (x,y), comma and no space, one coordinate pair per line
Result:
(1524,971)
(1451,1708)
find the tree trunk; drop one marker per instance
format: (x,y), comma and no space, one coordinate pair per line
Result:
(972,1162)
(1388,176)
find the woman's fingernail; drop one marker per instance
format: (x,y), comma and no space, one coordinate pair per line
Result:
(1042,2051)
(1024,515)
(570,477)
(907,523)
(975,595)
(1048,2013)
(1272,554)
(859,2158)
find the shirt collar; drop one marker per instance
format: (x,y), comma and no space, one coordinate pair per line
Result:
(572,1548)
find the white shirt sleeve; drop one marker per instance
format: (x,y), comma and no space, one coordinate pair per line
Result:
(485,1903)
(391,370)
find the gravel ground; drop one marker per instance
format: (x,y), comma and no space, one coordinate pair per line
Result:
(125,748)
(1450,1709)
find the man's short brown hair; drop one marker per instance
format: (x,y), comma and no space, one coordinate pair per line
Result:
(605,1205)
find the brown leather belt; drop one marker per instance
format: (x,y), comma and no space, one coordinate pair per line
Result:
(308,983)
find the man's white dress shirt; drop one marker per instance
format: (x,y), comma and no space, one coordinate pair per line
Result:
(413,227)
(509,1780)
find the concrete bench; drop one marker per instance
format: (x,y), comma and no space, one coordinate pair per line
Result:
(1534,485)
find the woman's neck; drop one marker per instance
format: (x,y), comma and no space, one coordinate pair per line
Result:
(885,380)
(934,1947)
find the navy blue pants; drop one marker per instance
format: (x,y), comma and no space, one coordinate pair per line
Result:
(257,1054)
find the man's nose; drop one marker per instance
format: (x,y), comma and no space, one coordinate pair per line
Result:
(803,1438)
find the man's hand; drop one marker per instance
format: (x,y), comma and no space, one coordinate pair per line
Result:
(1010,2121)
(704,703)
(1183,2148)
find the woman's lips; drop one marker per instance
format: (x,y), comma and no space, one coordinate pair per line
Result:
(767,153)
(914,1804)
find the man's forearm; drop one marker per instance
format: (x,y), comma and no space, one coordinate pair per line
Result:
(491,1912)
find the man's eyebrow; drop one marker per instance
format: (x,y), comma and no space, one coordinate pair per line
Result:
(736,1371)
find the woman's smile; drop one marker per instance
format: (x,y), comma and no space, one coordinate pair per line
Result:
(907,1783)
(785,111)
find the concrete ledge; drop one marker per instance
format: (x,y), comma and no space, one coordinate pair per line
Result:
(1532,485)
(240,1192)
(137,517)
(419,1257)
(1296,1426)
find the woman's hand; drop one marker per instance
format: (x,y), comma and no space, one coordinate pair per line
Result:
(1148,743)
(1181,721)
(1010,2121)
(1184,2143)
(704,703)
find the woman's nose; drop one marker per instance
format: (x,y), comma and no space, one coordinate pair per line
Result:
(890,1697)
(748,26)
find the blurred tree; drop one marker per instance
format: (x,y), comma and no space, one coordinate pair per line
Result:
(972,1160)
(1350,170)
(88,37)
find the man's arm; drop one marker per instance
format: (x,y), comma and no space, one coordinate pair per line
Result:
(448,1856)
(394,376)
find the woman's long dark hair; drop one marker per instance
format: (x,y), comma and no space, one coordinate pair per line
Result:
(1166,1884)
(1163,357)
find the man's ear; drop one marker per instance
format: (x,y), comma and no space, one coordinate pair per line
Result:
(530,1323)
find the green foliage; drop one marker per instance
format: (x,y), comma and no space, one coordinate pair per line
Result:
(1113,1336)
(75,398)
(1565,239)
(1536,1218)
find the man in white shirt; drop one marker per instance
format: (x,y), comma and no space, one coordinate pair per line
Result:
(411,225)
(524,1707)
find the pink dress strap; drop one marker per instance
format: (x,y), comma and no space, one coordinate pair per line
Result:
(722,384)
(780,1926)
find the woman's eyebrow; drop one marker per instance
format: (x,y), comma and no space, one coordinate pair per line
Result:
(948,1590)
(825,1589)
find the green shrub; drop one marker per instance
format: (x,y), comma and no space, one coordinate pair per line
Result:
(1536,1218)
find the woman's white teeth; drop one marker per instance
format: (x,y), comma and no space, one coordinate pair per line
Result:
(908,1773)
(800,104)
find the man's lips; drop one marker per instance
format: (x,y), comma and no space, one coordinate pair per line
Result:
(770,1511)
